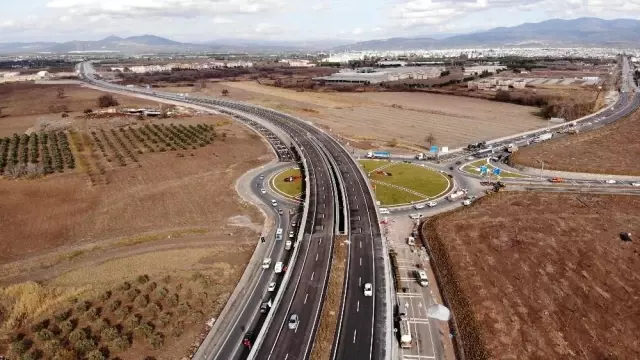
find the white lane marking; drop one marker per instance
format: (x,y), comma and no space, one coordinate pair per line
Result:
(360,261)
(313,273)
(316,257)
(360,244)
(358,307)
(354,336)
(286,356)
(305,298)
(359,281)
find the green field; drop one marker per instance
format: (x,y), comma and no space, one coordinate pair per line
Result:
(290,189)
(474,168)
(391,196)
(422,180)
(414,178)
(370,165)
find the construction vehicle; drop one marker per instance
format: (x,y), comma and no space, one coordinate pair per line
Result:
(511,148)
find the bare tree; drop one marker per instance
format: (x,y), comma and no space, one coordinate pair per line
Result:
(225,92)
(430,139)
(107,100)
(60,93)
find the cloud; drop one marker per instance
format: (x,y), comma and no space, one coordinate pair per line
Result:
(222,20)
(357,31)
(268,29)
(320,6)
(164,8)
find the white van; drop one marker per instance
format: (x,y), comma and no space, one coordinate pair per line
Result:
(384,211)
(287,245)
(278,268)
(279,234)
(266,263)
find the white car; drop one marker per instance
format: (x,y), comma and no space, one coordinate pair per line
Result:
(610,181)
(263,190)
(274,203)
(261,177)
(278,268)
(415,216)
(432,203)
(418,206)
(635,184)
(291,234)
(293,322)
(467,202)
(368,290)
(272,286)
(266,263)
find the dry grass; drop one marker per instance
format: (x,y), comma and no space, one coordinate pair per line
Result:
(140,239)
(382,117)
(614,149)
(541,276)
(331,308)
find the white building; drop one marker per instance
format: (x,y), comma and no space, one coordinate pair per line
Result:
(378,75)
(472,70)
(43,74)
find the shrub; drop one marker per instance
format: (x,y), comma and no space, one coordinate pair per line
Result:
(177,332)
(95,355)
(65,354)
(156,340)
(165,318)
(142,301)
(163,292)
(45,334)
(67,326)
(88,111)
(77,335)
(110,333)
(107,101)
(134,321)
(183,309)
(174,300)
(62,316)
(121,343)
(124,286)
(102,324)
(132,294)
(84,345)
(40,325)
(113,305)
(143,279)
(32,355)
(151,286)
(122,312)
(146,330)
(20,346)
(83,306)
(93,313)
(52,347)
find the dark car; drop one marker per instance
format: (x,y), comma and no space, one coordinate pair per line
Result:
(248,339)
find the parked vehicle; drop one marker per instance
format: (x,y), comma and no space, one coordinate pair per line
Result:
(265,306)
(512,148)
(287,245)
(294,321)
(411,241)
(431,204)
(384,211)
(368,290)
(415,216)
(418,206)
(610,181)
(266,263)
(278,268)
(292,234)
(543,137)
(378,155)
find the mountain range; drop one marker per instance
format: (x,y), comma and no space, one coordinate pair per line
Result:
(582,32)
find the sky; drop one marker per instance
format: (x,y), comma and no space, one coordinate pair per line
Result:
(283,20)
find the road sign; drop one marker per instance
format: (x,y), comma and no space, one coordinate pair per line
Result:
(483,169)
(496,171)
(433,149)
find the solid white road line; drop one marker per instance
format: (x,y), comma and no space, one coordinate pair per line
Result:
(313,273)
(358,307)
(286,356)
(305,298)
(316,257)
(359,281)
(354,336)
(360,261)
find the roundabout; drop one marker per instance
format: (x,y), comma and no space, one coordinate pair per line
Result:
(288,183)
(398,183)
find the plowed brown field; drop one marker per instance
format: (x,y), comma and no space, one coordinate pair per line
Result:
(542,276)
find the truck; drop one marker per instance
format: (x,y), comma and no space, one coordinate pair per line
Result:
(512,148)
(405,331)
(457,195)
(378,155)
(543,137)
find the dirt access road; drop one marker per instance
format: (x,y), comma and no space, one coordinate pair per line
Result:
(373,120)
(542,276)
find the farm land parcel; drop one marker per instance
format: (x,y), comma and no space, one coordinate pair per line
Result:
(541,276)
(170,225)
(375,119)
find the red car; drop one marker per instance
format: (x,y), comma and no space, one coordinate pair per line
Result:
(248,339)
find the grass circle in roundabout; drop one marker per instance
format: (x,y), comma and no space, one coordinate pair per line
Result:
(397,183)
(288,183)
